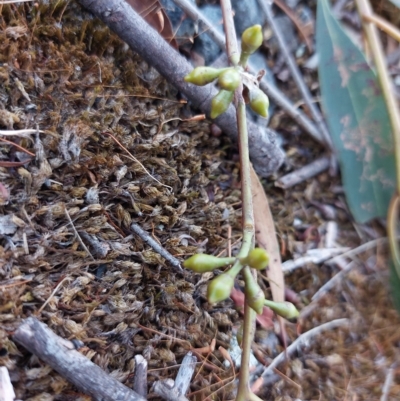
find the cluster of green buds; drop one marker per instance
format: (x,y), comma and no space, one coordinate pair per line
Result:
(221,286)
(230,78)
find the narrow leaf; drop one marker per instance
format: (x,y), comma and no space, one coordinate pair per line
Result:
(357,118)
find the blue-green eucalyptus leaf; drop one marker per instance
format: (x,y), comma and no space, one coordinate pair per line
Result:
(357,118)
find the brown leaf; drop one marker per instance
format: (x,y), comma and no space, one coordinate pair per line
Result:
(266,237)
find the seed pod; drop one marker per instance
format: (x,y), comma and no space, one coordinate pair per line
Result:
(201,76)
(229,79)
(202,263)
(254,294)
(258,258)
(252,39)
(259,102)
(220,288)
(220,103)
(284,309)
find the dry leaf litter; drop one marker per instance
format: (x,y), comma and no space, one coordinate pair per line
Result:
(112,150)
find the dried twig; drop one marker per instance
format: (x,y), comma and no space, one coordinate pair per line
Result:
(6,388)
(266,7)
(175,391)
(275,94)
(304,338)
(156,246)
(17,146)
(140,379)
(384,25)
(61,355)
(77,234)
(20,132)
(52,294)
(388,383)
(265,152)
(136,160)
(315,256)
(303,173)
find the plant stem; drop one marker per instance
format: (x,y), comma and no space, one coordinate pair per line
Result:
(247,244)
(249,323)
(230,33)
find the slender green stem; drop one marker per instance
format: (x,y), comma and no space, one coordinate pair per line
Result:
(247,201)
(365,10)
(230,33)
(247,243)
(248,336)
(245,176)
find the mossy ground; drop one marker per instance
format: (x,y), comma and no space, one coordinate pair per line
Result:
(65,74)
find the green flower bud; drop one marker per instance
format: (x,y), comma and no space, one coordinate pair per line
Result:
(220,288)
(220,103)
(229,79)
(201,76)
(259,102)
(257,259)
(284,309)
(252,39)
(202,263)
(254,294)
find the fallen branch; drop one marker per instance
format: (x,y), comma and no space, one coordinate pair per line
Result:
(156,246)
(175,391)
(304,173)
(303,339)
(120,17)
(62,356)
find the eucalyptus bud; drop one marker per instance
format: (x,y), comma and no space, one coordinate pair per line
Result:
(284,309)
(220,288)
(201,76)
(220,103)
(229,79)
(254,294)
(257,259)
(252,39)
(259,102)
(202,263)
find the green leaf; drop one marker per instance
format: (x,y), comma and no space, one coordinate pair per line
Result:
(358,120)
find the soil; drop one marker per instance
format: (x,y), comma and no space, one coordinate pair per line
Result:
(111,144)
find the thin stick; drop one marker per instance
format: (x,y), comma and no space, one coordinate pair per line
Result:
(61,355)
(304,338)
(332,282)
(52,295)
(140,379)
(136,160)
(18,146)
(384,25)
(21,132)
(77,235)
(304,173)
(388,383)
(275,94)
(171,391)
(317,116)
(156,246)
